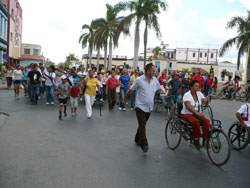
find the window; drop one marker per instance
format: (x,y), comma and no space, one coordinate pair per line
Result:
(36,52)
(194,54)
(200,55)
(27,51)
(172,55)
(12,13)
(212,56)
(205,54)
(11,37)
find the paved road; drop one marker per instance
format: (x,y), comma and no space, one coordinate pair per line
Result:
(39,151)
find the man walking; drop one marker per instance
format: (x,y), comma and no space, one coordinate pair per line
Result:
(145,86)
(34,81)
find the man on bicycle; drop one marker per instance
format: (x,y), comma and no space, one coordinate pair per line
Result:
(243,115)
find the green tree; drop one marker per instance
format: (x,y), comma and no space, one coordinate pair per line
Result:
(69,59)
(242,40)
(48,62)
(107,28)
(87,40)
(156,51)
(144,11)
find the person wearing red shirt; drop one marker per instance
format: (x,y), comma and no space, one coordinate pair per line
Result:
(209,83)
(75,90)
(162,77)
(111,85)
(200,79)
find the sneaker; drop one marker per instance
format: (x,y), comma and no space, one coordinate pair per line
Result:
(132,109)
(80,98)
(47,103)
(65,114)
(89,117)
(101,100)
(60,117)
(73,115)
(52,103)
(144,149)
(39,97)
(120,108)
(123,109)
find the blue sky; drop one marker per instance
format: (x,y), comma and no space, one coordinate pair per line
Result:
(56,25)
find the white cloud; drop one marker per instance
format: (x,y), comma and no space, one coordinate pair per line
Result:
(246,3)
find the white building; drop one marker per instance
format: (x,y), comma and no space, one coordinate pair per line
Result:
(230,67)
(197,56)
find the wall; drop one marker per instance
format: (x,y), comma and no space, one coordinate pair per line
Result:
(185,54)
(25,63)
(31,47)
(230,67)
(15,39)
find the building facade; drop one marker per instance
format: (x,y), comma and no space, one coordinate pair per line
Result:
(31,53)
(197,56)
(15,31)
(4,15)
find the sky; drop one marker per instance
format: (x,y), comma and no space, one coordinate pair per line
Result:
(56,25)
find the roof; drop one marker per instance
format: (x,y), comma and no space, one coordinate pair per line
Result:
(226,62)
(28,57)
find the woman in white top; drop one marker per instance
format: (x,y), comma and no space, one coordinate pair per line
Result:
(191,112)
(17,77)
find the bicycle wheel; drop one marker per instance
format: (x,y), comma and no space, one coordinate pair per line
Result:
(172,135)
(238,136)
(218,147)
(243,96)
(237,96)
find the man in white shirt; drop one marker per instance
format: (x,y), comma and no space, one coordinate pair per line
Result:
(50,85)
(164,93)
(243,115)
(146,86)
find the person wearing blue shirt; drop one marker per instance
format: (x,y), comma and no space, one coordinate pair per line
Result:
(125,84)
(175,90)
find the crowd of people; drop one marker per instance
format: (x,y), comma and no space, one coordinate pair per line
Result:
(118,87)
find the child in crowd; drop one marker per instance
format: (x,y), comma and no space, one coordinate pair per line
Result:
(75,90)
(64,91)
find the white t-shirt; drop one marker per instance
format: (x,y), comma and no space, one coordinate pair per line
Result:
(188,97)
(82,74)
(245,111)
(17,74)
(48,81)
(165,91)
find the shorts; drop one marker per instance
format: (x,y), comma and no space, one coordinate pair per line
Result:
(63,101)
(74,102)
(17,82)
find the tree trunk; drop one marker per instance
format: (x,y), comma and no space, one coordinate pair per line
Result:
(136,48)
(90,57)
(248,66)
(98,59)
(238,60)
(145,44)
(110,54)
(105,56)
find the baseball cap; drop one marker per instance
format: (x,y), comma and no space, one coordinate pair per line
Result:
(63,77)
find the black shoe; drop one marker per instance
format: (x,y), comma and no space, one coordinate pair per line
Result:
(144,149)
(65,113)
(197,144)
(60,117)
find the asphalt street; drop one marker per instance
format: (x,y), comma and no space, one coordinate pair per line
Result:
(39,151)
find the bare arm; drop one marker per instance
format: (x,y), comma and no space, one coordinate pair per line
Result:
(127,96)
(238,115)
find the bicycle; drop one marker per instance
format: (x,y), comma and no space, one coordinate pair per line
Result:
(245,95)
(239,136)
(177,128)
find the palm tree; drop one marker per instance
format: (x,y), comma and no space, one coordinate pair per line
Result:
(156,51)
(107,27)
(87,39)
(242,40)
(147,11)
